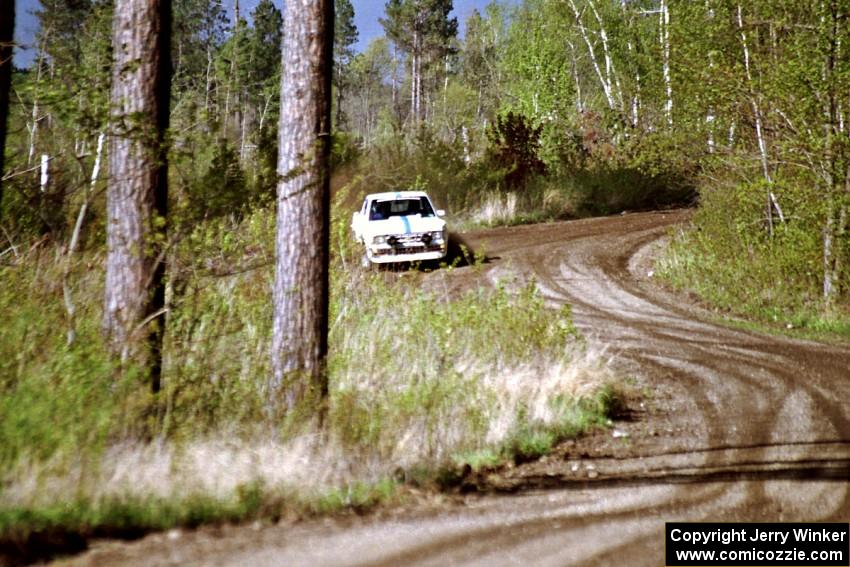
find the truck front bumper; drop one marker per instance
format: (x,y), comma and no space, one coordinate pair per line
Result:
(385,254)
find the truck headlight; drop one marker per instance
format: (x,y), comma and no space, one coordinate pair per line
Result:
(379,240)
(438,237)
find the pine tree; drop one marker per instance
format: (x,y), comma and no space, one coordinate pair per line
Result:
(423,30)
(265,42)
(264,62)
(137,192)
(345,36)
(300,319)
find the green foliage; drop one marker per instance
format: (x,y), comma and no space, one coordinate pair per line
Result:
(536,62)
(62,409)
(222,189)
(729,258)
(60,21)
(265,170)
(345,32)
(67,89)
(481,55)
(29,535)
(426,20)
(478,460)
(55,398)
(531,445)
(358,496)
(540,88)
(793,75)
(264,43)
(345,36)
(396,163)
(514,145)
(572,417)
(344,149)
(199,28)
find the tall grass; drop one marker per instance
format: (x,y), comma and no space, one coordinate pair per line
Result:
(496,209)
(418,380)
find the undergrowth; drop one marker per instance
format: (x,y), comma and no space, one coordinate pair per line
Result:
(730,259)
(419,379)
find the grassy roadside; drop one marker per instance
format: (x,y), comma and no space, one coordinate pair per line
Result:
(422,385)
(47,530)
(770,292)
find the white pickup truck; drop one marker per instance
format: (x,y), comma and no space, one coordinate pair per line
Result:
(400,226)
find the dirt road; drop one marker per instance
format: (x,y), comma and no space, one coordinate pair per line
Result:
(735,425)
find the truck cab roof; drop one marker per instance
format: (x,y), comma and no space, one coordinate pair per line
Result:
(391,195)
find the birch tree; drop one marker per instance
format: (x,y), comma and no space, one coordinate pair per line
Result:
(371,77)
(664,35)
(480,59)
(300,319)
(772,204)
(137,191)
(834,100)
(605,79)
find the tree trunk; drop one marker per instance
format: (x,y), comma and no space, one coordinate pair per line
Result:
(300,320)
(7,29)
(138,184)
(45,173)
(396,112)
(606,86)
(414,79)
(263,115)
(836,168)
(339,98)
(70,307)
(33,130)
(576,78)
(610,72)
(665,45)
(243,128)
(772,203)
(208,88)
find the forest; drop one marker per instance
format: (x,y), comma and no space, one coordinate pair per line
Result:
(542,110)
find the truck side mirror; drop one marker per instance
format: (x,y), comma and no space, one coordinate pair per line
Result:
(441,212)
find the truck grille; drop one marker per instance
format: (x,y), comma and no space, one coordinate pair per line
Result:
(409,239)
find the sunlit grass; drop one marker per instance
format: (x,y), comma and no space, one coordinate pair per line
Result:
(418,380)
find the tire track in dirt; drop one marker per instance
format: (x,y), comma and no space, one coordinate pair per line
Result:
(739,426)
(766,400)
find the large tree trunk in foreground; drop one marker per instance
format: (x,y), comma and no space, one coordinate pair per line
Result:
(7,29)
(300,322)
(138,183)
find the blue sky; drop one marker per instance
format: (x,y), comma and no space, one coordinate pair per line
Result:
(366,14)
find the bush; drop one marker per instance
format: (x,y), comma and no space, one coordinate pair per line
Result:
(730,259)
(514,147)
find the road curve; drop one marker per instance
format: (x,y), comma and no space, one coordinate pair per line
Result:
(737,425)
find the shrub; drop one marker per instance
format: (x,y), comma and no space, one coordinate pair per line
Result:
(514,147)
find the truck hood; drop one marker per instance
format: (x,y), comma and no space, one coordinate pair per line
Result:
(404,225)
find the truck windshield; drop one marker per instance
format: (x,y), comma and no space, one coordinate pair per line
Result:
(401,207)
